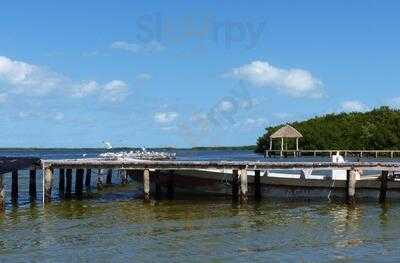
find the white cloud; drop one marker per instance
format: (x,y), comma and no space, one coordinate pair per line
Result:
(353,106)
(149,47)
(165,117)
(3,98)
(294,82)
(114,91)
(35,80)
(144,76)
(28,78)
(225,106)
(84,89)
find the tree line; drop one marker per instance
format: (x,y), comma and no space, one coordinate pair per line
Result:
(378,129)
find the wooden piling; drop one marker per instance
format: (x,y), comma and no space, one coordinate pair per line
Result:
(243,185)
(47,184)
(79,182)
(124,177)
(171,185)
(68,185)
(383,189)
(351,186)
(235,185)
(61,183)
(109,176)
(88,179)
(157,182)
(257,185)
(14,186)
(2,193)
(32,184)
(146,184)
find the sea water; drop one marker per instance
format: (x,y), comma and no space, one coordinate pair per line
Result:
(117,226)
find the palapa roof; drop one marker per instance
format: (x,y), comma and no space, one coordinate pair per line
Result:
(286,132)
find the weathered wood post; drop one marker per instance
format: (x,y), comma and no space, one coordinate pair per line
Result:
(61,183)
(2,193)
(243,185)
(68,185)
(47,184)
(171,185)
(124,177)
(351,186)
(391,155)
(383,190)
(235,185)
(79,182)
(158,185)
(32,184)
(14,186)
(109,176)
(257,185)
(146,184)
(88,179)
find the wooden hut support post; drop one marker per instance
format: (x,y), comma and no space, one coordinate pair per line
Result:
(235,185)
(68,185)
(79,183)
(384,182)
(47,184)
(2,193)
(61,183)
(14,186)
(351,186)
(243,185)
(146,184)
(32,184)
(257,185)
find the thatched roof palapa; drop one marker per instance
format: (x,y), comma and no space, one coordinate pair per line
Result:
(286,132)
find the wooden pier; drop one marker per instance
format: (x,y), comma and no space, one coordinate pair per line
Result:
(154,171)
(346,153)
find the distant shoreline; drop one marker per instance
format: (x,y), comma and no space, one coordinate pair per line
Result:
(201,148)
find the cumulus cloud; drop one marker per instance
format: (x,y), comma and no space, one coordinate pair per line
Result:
(149,47)
(24,77)
(144,76)
(353,106)
(255,122)
(294,82)
(36,80)
(114,91)
(84,89)
(165,117)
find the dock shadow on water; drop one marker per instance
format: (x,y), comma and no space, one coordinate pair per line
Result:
(121,227)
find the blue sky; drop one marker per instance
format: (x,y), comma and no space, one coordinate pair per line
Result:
(174,73)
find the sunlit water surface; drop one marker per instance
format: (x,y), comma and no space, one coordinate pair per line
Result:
(116,225)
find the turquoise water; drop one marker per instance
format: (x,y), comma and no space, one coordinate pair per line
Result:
(116,225)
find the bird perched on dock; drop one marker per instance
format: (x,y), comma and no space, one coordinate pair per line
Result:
(108,145)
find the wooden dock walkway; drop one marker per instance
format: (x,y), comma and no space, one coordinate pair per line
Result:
(355,153)
(239,181)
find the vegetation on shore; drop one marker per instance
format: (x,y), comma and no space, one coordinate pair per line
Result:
(374,130)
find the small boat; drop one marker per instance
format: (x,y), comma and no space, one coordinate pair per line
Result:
(290,184)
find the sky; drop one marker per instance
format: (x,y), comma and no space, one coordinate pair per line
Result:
(181,74)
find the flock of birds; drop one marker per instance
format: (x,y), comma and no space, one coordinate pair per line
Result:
(140,155)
